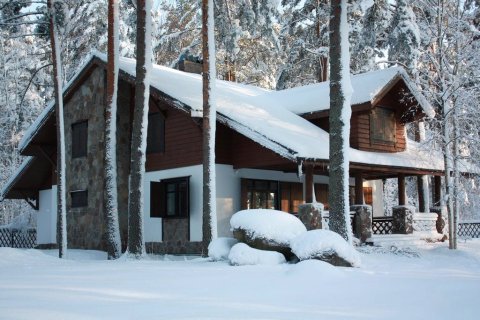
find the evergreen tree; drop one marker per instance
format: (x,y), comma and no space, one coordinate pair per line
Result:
(136,242)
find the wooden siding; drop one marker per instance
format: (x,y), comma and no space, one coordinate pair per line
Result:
(183,141)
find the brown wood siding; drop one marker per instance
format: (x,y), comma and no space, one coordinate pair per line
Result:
(183,142)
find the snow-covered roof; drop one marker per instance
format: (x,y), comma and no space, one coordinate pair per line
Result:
(268,118)
(13,178)
(367,87)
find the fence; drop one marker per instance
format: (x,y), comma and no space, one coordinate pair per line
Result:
(18,238)
(469,229)
(382,225)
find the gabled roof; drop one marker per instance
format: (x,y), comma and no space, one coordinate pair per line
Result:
(266,117)
(368,87)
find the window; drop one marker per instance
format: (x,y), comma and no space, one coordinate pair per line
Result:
(382,126)
(260,194)
(170,198)
(156,133)
(79,198)
(79,139)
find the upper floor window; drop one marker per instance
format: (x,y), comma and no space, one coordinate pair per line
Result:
(156,133)
(79,139)
(382,126)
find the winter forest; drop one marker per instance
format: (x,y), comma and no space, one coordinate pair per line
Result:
(268,43)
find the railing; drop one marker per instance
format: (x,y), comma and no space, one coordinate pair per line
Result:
(382,225)
(18,238)
(469,229)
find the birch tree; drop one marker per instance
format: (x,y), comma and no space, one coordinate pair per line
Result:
(57,80)
(114,247)
(136,242)
(209,223)
(340,113)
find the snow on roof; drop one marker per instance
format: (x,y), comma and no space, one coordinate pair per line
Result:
(266,117)
(17,174)
(366,88)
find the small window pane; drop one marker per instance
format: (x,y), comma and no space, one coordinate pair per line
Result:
(156,133)
(79,139)
(79,198)
(171,205)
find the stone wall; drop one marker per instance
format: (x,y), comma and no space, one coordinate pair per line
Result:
(85,226)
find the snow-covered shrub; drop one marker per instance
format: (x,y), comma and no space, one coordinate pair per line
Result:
(241,255)
(219,248)
(266,229)
(327,246)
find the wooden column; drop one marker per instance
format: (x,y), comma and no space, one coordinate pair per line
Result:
(359,199)
(308,183)
(437,190)
(401,190)
(421,195)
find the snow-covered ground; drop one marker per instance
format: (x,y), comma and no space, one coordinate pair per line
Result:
(428,282)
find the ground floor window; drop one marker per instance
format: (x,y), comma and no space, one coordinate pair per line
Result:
(170,198)
(260,194)
(79,198)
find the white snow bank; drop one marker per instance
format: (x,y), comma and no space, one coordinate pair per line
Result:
(219,248)
(241,255)
(315,242)
(269,224)
(317,267)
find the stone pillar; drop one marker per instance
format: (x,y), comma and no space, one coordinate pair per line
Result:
(402,219)
(311,215)
(441,224)
(362,222)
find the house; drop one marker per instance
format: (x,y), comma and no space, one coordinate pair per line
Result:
(269,144)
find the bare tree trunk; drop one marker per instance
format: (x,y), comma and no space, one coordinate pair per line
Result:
(136,242)
(57,80)
(209,222)
(114,248)
(340,113)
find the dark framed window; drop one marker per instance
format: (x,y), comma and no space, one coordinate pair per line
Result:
(79,139)
(260,194)
(156,133)
(170,198)
(382,126)
(79,198)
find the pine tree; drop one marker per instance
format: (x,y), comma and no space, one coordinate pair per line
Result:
(136,242)
(61,163)
(340,113)
(114,248)
(209,222)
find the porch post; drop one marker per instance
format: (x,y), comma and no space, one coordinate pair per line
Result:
(359,189)
(421,195)
(309,183)
(437,191)
(401,190)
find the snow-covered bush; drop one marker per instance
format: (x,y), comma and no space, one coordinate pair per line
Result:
(327,246)
(241,255)
(219,248)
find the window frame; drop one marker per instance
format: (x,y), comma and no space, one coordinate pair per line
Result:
(79,148)
(77,202)
(250,189)
(159,203)
(160,147)
(388,123)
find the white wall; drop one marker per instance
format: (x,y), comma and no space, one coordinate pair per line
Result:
(153,226)
(377,195)
(47,216)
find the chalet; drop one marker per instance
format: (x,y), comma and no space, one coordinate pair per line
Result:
(271,150)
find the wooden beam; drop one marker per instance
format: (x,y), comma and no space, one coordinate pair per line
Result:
(47,156)
(401,190)
(359,199)
(308,183)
